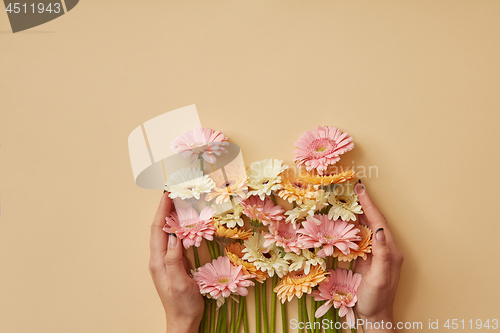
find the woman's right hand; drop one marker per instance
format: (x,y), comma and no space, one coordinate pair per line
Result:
(380,270)
(178,292)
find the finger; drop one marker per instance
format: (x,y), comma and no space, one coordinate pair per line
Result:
(176,272)
(159,238)
(371,215)
(380,270)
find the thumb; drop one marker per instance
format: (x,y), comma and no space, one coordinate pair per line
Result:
(380,270)
(174,260)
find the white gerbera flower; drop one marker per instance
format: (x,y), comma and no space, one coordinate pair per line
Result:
(231,219)
(305,261)
(307,208)
(344,203)
(188,183)
(264,177)
(264,258)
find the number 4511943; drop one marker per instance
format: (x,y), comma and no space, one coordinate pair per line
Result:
(39,8)
(478,324)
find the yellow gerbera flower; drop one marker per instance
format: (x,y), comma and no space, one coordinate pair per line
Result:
(294,188)
(222,231)
(297,283)
(333,175)
(233,252)
(365,246)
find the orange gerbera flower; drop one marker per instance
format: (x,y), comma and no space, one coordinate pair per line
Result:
(222,231)
(365,246)
(233,252)
(333,175)
(294,188)
(297,283)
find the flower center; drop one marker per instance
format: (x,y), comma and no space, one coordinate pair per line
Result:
(342,293)
(343,199)
(267,255)
(190,222)
(298,275)
(223,280)
(330,236)
(321,147)
(197,147)
(297,184)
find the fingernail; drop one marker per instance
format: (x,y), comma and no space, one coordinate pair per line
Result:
(172,240)
(380,235)
(358,189)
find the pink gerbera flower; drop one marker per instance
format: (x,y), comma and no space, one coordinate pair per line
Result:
(321,147)
(200,141)
(264,211)
(284,235)
(329,234)
(340,290)
(220,278)
(190,226)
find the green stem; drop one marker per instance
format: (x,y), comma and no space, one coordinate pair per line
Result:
(233,315)
(219,319)
(211,250)
(335,261)
(318,320)
(245,316)
(196,257)
(301,313)
(330,317)
(215,247)
(257,307)
(265,318)
(337,320)
(273,304)
(205,322)
(313,311)
(273,198)
(212,316)
(225,310)
(241,307)
(351,264)
(201,164)
(284,322)
(306,316)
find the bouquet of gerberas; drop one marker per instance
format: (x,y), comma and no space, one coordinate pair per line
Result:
(295,246)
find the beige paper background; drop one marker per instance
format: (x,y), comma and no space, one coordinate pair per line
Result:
(414,82)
